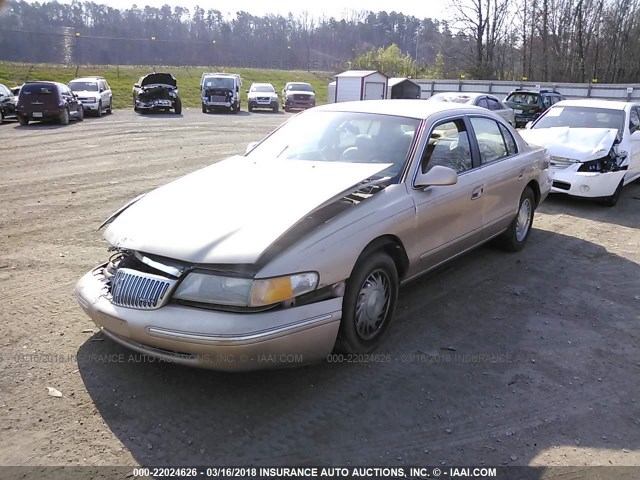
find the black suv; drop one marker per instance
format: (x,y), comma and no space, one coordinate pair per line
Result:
(156,92)
(527,105)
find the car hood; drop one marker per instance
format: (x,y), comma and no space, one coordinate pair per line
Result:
(581,144)
(86,93)
(159,79)
(232,211)
(305,92)
(261,94)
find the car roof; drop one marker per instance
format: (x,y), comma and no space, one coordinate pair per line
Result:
(464,94)
(261,84)
(593,103)
(45,82)
(420,109)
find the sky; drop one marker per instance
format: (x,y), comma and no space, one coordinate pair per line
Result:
(432,8)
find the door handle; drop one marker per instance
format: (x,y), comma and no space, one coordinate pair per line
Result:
(477,192)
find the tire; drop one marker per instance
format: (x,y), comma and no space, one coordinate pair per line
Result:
(99,112)
(178,106)
(515,237)
(64,117)
(204,108)
(373,284)
(612,200)
(80,116)
(275,109)
(286,109)
(250,108)
(1,116)
(110,109)
(22,120)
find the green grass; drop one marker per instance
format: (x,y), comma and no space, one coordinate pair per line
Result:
(122,78)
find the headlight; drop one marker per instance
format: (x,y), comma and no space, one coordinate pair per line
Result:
(244,292)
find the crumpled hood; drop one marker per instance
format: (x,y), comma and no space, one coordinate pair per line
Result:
(160,79)
(581,144)
(298,92)
(232,211)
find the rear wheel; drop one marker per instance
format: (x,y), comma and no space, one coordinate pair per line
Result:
(612,200)
(64,117)
(178,106)
(22,120)
(368,304)
(515,237)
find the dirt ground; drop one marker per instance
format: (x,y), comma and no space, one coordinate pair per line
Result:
(499,359)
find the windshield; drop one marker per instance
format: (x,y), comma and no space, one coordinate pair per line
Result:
(301,87)
(84,86)
(523,98)
(38,88)
(581,117)
(343,137)
(218,82)
(451,97)
(262,88)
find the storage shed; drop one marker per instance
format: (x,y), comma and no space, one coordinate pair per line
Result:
(360,85)
(403,88)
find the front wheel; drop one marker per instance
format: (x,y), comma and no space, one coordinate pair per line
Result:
(612,200)
(204,108)
(368,304)
(99,112)
(178,106)
(515,237)
(110,108)
(275,109)
(80,114)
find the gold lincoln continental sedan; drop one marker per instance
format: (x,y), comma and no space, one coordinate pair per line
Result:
(298,247)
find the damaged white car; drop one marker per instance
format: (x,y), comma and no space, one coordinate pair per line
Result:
(299,246)
(594,146)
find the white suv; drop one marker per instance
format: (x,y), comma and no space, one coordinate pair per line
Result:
(94,93)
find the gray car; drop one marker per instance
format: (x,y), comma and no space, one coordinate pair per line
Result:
(297,248)
(483,100)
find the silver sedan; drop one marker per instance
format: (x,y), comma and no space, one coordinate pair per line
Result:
(297,248)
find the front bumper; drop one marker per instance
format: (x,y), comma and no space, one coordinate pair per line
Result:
(299,104)
(213,339)
(269,105)
(586,184)
(156,105)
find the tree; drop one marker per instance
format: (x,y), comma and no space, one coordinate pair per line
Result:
(389,61)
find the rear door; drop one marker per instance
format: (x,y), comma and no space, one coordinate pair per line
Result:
(501,171)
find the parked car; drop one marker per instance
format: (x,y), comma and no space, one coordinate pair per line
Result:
(483,100)
(262,95)
(298,96)
(220,90)
(594,146)
(157,92)
(48,101)
(8,103)
(528,105)
(94,93)
(16,90)
(338,207)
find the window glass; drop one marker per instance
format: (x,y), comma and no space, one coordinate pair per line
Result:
(448,146)
(634,120)
(494,104)
(490,141)
(4,90)
(546,100)
(483,103)
(512,147)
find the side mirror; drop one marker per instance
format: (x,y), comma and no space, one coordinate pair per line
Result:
(436,176)
(250,147)
(528,125)
(136,85)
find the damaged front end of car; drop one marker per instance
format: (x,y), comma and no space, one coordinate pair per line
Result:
(157,97)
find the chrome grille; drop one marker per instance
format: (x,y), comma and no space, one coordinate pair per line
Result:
(143,291)
(301,96)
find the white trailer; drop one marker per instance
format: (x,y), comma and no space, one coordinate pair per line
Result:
(360,85)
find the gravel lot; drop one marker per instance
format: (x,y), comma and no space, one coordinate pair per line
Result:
(522,359)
